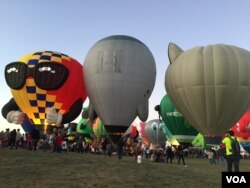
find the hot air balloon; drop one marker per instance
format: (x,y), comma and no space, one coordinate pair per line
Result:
(84,128)
(199,141)
(171,140)
(154,130)
(47,86)
(176,123)
(145,139)
(210,86)
(206,141)
(120,74)
(242,130)
(131,131)
(98,128)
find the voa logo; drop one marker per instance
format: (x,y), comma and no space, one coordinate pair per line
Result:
(236,179)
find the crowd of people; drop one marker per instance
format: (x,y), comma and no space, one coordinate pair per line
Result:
(53,141)
(57,141)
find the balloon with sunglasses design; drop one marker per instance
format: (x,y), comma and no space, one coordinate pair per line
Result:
(47,87)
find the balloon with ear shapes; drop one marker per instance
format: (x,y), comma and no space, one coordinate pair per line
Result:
(210,86)
(120,74)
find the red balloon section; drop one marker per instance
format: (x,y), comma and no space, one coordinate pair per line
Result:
(242,127)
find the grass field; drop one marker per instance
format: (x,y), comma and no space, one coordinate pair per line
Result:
(29,169)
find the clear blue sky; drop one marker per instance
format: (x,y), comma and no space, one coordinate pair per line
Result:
(72,27)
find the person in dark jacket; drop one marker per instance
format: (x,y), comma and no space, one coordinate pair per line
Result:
(180,153)
(169,154)
(35,137)
(120,148)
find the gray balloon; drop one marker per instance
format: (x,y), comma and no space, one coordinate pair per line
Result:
(209,85)
(154,130)
(119,73)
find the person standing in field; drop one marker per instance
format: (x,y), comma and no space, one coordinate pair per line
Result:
(18,138)
(180,153)
(120,148)
(35,137)
(232,159)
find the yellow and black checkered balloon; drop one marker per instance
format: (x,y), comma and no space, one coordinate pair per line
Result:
(34,101)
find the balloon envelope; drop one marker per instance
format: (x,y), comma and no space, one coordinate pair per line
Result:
(131,131)
(84,127)
(143,134)
(176,123)
(120,75)
(46,79)
(206,141)
(199,141)
(98,128)
(209,85)
(242,130)
(154,130)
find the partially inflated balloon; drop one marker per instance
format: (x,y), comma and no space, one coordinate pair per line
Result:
(199,141)
(242,127)
(209,85)
(206,141)
(120,75)
(242,130)
(47,79)
(143,134)
(84,128)
(98,128)
(176,123)
(154,130)
(170,137)
(131,131)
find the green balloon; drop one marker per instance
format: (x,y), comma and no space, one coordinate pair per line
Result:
(176,123)
(84,127)
(199,141)
(98,128)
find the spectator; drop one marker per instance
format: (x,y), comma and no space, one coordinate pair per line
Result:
(221,155)
(13,139)
(18,138)
(180,153)
(46,141)
(59,140)
(169,154)
(52,140)
(120,148)
(29,141)
(35,137)
(232,160)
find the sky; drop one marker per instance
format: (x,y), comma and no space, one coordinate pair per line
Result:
(73,27)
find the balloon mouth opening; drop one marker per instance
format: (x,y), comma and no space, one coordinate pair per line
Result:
(115,132)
